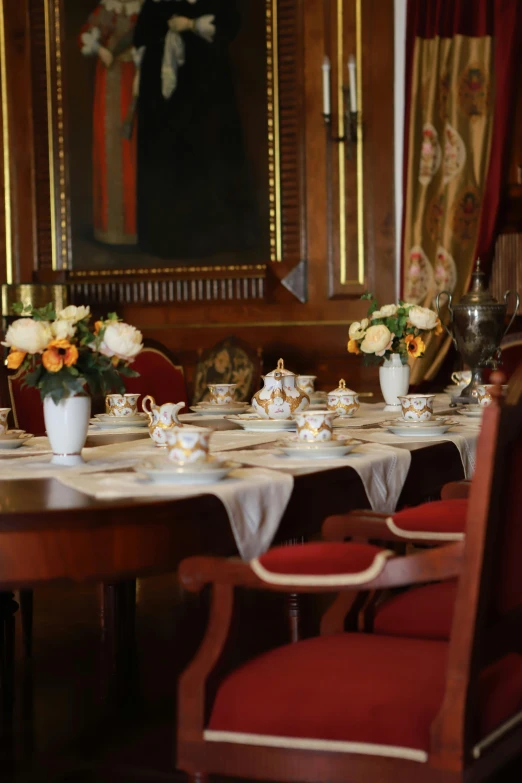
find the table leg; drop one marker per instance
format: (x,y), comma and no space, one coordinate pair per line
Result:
(8,608)
(117,618)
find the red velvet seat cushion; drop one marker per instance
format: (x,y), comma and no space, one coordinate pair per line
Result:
(320,559)
(28,406)
(423,612)
(355,688)
(440,517)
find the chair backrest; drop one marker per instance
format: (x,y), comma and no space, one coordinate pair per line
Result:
(229,361)
(487,620)
(160,375)
(26,405)
(511,347)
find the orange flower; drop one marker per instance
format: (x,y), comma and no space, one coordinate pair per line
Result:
(15,358)
(97,326)
(59,353)
(414,345)
(353,347)
(438,327)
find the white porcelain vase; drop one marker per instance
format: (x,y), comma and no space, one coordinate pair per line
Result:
(66,423)
(394,377)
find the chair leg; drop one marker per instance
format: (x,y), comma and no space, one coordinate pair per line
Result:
(8,607)
(26,613)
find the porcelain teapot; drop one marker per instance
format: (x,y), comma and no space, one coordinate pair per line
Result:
(280,396)
(161,418)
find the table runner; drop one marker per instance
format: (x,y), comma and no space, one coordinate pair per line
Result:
(382,469)
(255,499)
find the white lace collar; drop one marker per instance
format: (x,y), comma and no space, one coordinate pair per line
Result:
(128,7)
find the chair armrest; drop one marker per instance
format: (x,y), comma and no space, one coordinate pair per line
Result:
(455,490)
(358,524)
(385,571)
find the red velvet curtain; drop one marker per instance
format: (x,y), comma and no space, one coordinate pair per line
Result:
(502,19)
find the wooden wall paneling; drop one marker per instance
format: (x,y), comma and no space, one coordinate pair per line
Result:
(18,132)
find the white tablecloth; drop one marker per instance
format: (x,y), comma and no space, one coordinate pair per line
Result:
(382,469)
(255,500)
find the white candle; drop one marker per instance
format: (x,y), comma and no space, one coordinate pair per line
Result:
(326,87)
(353,84)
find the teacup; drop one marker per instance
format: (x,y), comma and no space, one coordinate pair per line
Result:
(122,404)
(342,401)
(314,426)
(222,393)
(307,383)
(4,413)
(188,444)
(417,407)
(483,395)
(461,378)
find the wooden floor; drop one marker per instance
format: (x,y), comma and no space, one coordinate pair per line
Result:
(65,731)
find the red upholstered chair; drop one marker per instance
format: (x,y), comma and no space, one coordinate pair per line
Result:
(511,356)
(161,376)
(26,405)
(362,707)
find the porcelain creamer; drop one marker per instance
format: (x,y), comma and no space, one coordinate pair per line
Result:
(161,418)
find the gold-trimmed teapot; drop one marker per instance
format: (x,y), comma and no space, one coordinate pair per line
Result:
(161,418)
(280,396)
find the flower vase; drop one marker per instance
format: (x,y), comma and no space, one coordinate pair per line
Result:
(394,377)
(66,423)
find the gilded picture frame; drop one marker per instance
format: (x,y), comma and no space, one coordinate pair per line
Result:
(170,282)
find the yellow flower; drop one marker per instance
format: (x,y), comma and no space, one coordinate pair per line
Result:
(97,326)
(353,347)
(59,353)
(15,358)
(414,345)
(438,327)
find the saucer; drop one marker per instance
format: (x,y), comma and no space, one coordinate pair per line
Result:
(252,423)
(338,446)
(162,471)
(436,421)
(13,439)
(205,409)
(105,421)
(404,430)
(472,411)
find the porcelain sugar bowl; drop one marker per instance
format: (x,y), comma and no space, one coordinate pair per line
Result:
(280,396)
(161,418)
(343,401)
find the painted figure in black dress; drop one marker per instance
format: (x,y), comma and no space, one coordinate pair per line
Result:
(194,195)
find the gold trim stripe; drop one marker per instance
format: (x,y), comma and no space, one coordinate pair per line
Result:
(274,150)
(241,324)
(50,132)
(6,152)
(341,129)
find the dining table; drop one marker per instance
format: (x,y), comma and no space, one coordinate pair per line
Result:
(52,532)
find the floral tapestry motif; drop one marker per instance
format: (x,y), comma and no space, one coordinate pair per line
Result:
(430,155)
(445,271)
(473,91)
(419,276)
(454,153)
(466,214)
(435,216)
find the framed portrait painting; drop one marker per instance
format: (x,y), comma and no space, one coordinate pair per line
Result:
(174,147)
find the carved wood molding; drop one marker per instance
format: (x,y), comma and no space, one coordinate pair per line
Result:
(285,93)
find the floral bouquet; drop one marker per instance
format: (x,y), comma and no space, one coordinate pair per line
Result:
(392,329)
(62,356)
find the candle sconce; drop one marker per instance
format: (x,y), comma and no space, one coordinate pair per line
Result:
(351,120)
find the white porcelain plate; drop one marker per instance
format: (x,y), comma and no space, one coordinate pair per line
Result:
(339,446)
(114,422)
(436,421)
(162,471)
(204,409)
(471,411)
(416,432)
(252,423)
(13,439)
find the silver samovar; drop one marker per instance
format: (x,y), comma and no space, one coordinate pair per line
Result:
(477,327)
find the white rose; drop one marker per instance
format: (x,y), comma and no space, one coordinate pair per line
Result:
(422,318)
(74,314)
(28,335)
(357,329)
(376,314)
(63,330)
(376,339)
(121,340)
(388,310)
